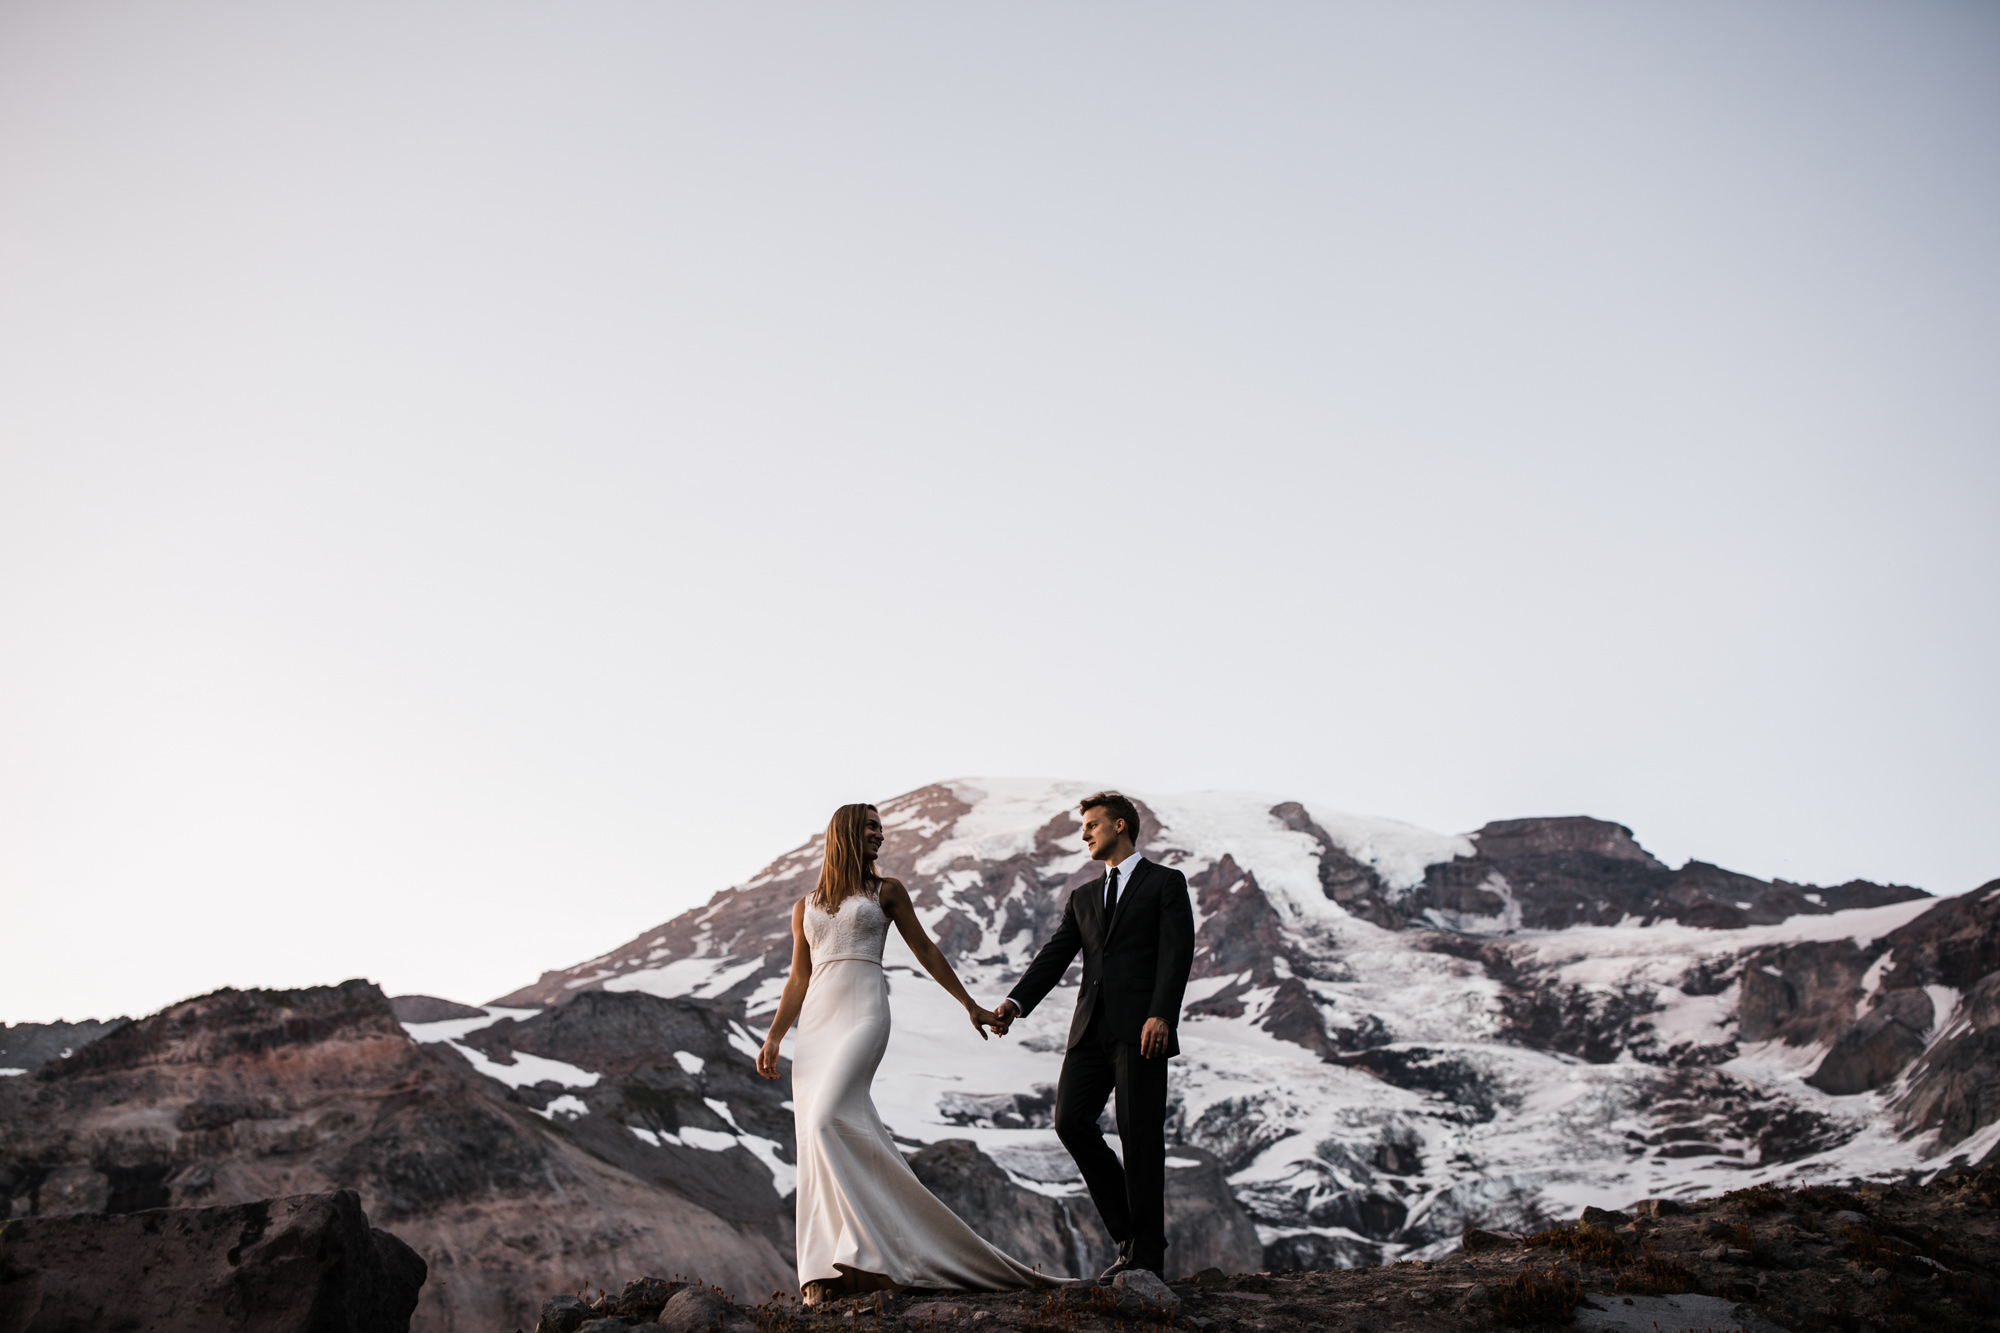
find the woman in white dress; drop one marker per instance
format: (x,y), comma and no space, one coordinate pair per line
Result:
(865,1222)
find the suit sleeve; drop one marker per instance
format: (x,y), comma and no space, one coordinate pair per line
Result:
(1176,952)
(1050,963)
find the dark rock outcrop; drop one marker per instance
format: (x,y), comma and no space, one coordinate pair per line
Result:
(304,1264)
(1547,874)
(665,1066)
(1956,943)
(430,1009)
(1876,1048)
(32,1045)
(246,1095)
(1802,993)
(1954,1090)
(1206,1227)
(1061,1237)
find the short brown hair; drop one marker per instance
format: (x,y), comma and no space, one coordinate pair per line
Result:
(1118,806)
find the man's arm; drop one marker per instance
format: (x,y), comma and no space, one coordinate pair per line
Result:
(1049,965)
(1176,952)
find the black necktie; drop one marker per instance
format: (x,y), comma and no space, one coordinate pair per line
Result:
(1111,894)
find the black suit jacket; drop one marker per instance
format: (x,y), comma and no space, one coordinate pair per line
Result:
(1136,964)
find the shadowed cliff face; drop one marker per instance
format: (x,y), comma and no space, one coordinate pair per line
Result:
(246,1095)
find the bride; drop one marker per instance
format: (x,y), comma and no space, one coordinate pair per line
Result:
(865,1222)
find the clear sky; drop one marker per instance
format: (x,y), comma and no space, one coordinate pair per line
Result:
(475,479)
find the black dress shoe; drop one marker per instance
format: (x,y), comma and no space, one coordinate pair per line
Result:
(1123,1262)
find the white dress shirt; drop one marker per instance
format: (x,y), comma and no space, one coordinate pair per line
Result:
(1126,869)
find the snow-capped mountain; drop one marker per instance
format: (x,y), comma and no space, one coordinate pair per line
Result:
(1391,1033)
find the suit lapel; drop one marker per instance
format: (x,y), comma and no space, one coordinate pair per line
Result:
(1096,909)
(1124,896)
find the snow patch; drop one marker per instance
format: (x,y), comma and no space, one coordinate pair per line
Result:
(528,1070)
(689,1062)
(701,978)
(784,1176)
(451,1029)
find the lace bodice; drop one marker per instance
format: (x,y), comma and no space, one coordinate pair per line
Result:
(856,931)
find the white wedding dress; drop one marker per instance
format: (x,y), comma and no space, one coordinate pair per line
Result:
(861,1209)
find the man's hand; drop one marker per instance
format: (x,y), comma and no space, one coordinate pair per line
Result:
(1153,1038)
(1004,1014)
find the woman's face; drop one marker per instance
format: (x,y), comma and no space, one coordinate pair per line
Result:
(871,837)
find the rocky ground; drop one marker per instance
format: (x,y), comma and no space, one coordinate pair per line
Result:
(1892,1258)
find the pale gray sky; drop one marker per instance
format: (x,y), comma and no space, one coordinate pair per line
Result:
(477,478)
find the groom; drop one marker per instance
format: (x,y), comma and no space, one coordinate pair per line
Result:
(1135,928)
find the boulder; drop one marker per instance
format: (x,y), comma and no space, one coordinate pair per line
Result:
(644,1297)
(1140,1291)
(1655,1208)
(309,1263)
(1603,1217)
(1476,1239)
(562,1314)
(702,1310)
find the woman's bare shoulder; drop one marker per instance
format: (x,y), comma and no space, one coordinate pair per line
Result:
(887,889)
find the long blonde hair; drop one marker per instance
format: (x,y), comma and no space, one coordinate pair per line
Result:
(844,873)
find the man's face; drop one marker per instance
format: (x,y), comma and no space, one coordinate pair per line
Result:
(1100,832)
(871,837)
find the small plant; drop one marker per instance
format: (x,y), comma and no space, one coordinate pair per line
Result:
(1537,1296)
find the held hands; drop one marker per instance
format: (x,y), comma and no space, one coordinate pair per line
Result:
(1153,1039)
(767,1059)
(983,1019)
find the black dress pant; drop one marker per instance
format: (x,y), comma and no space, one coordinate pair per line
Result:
(1132,1199)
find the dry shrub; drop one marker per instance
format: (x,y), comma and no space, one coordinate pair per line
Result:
(1537,1296)
(1586,1245)
(1052,1316)
(1651,1274)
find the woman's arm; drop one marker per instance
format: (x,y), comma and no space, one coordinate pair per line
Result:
(896,902)
(794,997)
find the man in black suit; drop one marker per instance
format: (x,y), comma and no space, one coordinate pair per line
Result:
(1135,927)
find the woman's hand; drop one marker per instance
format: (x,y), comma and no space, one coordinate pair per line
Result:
(983,1019)
(767,1058)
